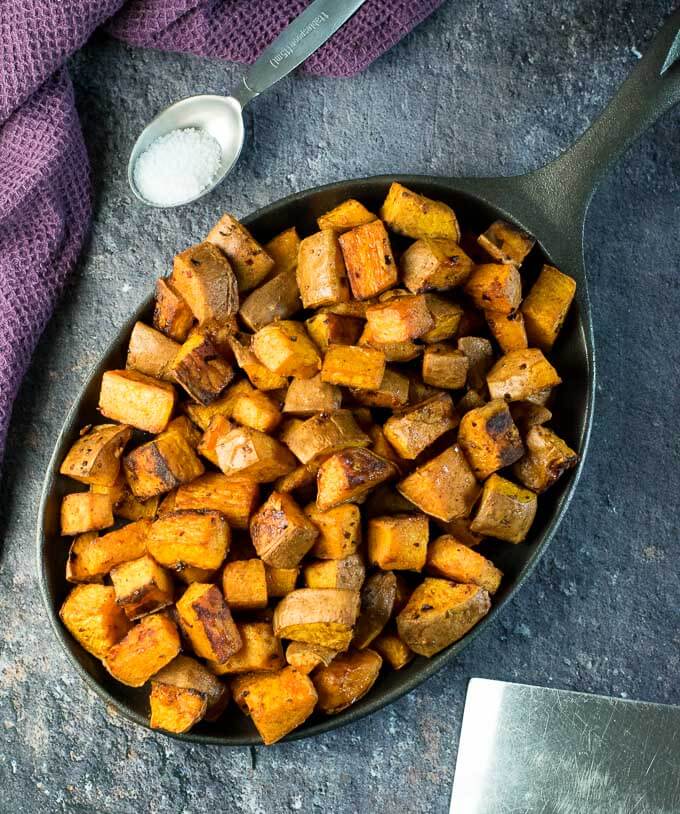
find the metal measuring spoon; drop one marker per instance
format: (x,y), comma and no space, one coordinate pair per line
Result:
(222,116)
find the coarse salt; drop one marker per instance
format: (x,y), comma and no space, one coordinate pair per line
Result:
(177,166)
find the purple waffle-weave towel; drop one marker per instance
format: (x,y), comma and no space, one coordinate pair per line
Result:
(44,186)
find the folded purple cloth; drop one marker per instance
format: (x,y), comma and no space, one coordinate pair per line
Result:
(45,202)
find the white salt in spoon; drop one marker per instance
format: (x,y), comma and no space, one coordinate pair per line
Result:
(190,159)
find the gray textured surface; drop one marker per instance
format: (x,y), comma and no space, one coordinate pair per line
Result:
(483,86)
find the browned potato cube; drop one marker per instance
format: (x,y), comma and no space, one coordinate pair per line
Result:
(393,650)
(200,370)
(419,391)
(480,353)
(250,261)
(399,319)
(95,456)
(348,475)
(283,249)
(172,316)
(218,429)
(91,616)
(495,287)
(378,596)
(353,366)
(339,531)
(132,398)
(506,511)
(175,709)
(187,673)
(259,375)
(280,581)
(203,414)
(257,410)
(306,657)
(253,454)
(416,216)
(392,351)
(399,542)
(445,366)
(284,348)
(322,616)
(162,464)
(345,216)
(521,374)
(439,613)
(85,511)
(547,458)
(302,476)
(151,352)
(278,298)
(142,587)
(368,257)
(245,585)
(448,558)
(348,573)
(392,393)
(446,315)
(444,487)
(459,529)
(346,679)
(261,651)
(489,438)
(332,329)
(527,415)
(412,429)
(281,533)
(116,494)
(185,427)
(321,274)
(506,243)
(386,500)
(234,496)
(432,264)
(197,538)
(306,397)
(151,644)
(508,330)
(324,434)
(277,702)
(204,278)
(546,305)
(91,557)
(470,401)
(206,621)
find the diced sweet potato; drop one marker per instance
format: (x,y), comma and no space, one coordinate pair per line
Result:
(218,429)
(392,393)
(495,287)
(206,621)
(448,558)
(470,401)
(91,616)
(345,216)
(281,581)
(278,298)
(547,458)
(489,438)
(285,348)
(85,511)
(95,456)
(332,329)
(253,454)
(244,584)
(321,274)
(197,538)
(440,613)
(393,650)
(445,366)
(135,399)
(259,375)
(306,657)
(378,597)
(412,429)
(399,319)
(506,243)
(250,261)
(162,464)
(115,493)
(175,709)
(277,702)
(204,278)
(261,651)
(347,573)
(325,434)
(257,410)
(444,487)
(506,511)
(151,352)
(187,673)
(527,415)
(398,542)
(91,557)
(346,679)
(142,587)
(434,264)
(339,531)
(508,330)
(323,616)
(281,533)
(151,644)
(459,529)
(353,366)
(416,216)
(546,305)
(203,414)
(480,353)
(301,478)
(392,351)
(200,370)
(348,475)
(234,496)
(446,315)
(306,397)
(283,249)
(172,316)
(368,258)
(520,374)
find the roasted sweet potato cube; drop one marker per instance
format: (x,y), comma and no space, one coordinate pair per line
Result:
(527,415)
(283,249)
(505,511)
(175,709)
(200,370)
(306,657)
(250,261)
(278,298)
(521,374)
(324,616)
(448,558)
(244,584)
(198,538)
(446,316)
(280,531)
(234,496)
(257,410)
(162,464)
(187,673)
(547,458)
(368,258)
(142,587)
(285,348)
(349,475)
(495,287)
(259,375)
(151,352)
(301,478)
(393,650)
(489,438)
(321,273)
(135,399)
(348,573)
(480,353)
(546,305)
(85,511)
(203,414)
(332,329)
(346,679)
(508,330)
(345,216)
(444,487)
(115,493)
(306,397)
(187,428)
(95,456)
(324,434)
(470,401)
(91,557)
(261,651)
(392,351)
(392,393)
(399,319)
(412,429)
(172,316)
(206,621)
(445,366)
(506,243)
(277,702)
(253,454)
(398,542)
(416,216)
(91,616)
(353,366)
(218,429)
(378,596)
(434,264)
(204,278)
(281,581)
(439,613)
(339,531)
(459,529)
(151,644)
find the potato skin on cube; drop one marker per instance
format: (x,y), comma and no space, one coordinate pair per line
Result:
(506,243)
(346,679)
(285,348)
(95,457)
(412,429)
(546,305)
(306,657)
(520,374)
(432,264)
(416,216)
(440,613)
(206,621)
(324,616)
(345,216)
(480,353)
(378,597)
(261,652)
(392,393)
(489,438)
(199,538)
(324,434)
(85,511)
(547,458)
(505,511)
(187,673)
(175,709)
(339,531)
(142,587)
(200,370)
(253,454)
(392,351)
(398,542)
(448,558)
(305,397)
(321,273)
(368,258)
(204,278)
(151,644)
(150,352)
(92,617)
(250,262)
(348,475)
(281,533)
(135,399)
(445,366)
(347,573)
(278,298)
(172,316)
(244,584)
(399,319)
(160,465)
(353,366)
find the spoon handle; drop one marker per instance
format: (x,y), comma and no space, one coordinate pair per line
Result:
(305,34)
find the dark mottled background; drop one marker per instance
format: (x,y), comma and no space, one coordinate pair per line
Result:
(483,86)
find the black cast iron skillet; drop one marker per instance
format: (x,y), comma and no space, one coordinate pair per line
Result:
(550,203)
